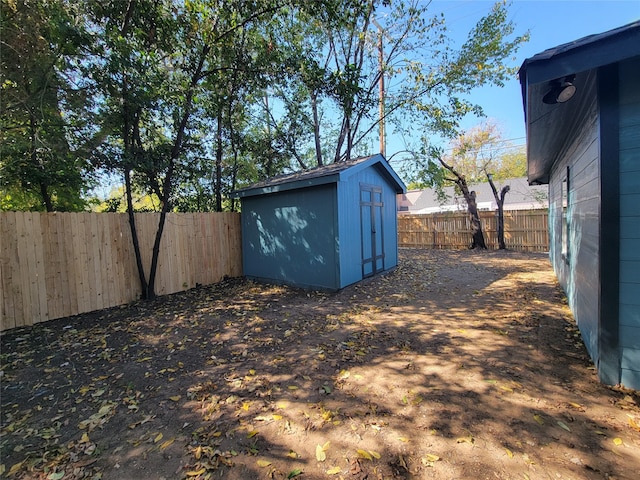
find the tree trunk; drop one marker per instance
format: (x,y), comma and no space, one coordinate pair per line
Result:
(477,240)
(501,244)
(128,139)
(46,197)
(500,202)
(134,234)
(316,128)
(33,135)
(218,182)
(167,186)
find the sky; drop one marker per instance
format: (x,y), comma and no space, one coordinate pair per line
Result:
(550,23)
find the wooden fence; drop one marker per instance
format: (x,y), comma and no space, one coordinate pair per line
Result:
(525,230)
(54,265)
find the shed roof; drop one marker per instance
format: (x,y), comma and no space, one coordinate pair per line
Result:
(547,124)
(325,174)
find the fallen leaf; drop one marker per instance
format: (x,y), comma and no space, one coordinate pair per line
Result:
(374,454)
(175,398)
(538,419)
(263,463)
(333,471)
(167,443)
(564,425)
(294,473)
(292,454)
(252,433)
(617,441)
(509,453)
(195,473)
(15,468)
(468,439)
(633,424)
(364,454)
(158,438)
(321,456)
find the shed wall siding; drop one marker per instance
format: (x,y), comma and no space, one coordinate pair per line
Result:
(291,237)
(629,140)
(350,224)
(576,273)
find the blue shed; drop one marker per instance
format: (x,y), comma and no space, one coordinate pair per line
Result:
(323,228)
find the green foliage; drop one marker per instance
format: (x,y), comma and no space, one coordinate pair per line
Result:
(116,202)
(41,157)
(190,100)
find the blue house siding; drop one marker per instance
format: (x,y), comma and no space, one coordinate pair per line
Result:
(575,269)
(629,141)
(291,237)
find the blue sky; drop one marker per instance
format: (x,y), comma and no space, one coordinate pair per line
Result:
(550,23)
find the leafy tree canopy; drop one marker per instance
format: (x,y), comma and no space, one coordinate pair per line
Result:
(188,100)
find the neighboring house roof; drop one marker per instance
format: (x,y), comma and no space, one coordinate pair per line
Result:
(521,196)
(322,175)
(547,124)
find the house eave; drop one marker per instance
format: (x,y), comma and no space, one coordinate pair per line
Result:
(547,125)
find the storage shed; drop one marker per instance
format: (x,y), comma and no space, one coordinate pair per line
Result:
(323,228)
(582,111)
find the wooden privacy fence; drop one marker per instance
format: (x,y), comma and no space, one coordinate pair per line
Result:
(525,230)
(54,265)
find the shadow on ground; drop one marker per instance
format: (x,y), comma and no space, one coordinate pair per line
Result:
(455,365)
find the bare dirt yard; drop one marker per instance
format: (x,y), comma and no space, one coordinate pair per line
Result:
(457,365)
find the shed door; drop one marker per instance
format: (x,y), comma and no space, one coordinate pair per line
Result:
(371,207)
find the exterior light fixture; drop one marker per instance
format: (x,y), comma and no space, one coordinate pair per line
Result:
(561,90)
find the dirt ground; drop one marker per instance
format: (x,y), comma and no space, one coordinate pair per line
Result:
(457,365)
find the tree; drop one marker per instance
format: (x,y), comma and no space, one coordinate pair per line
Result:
(42,162)
(500,202)
(164,71)
(448,173)
(471,159)
(426,78)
